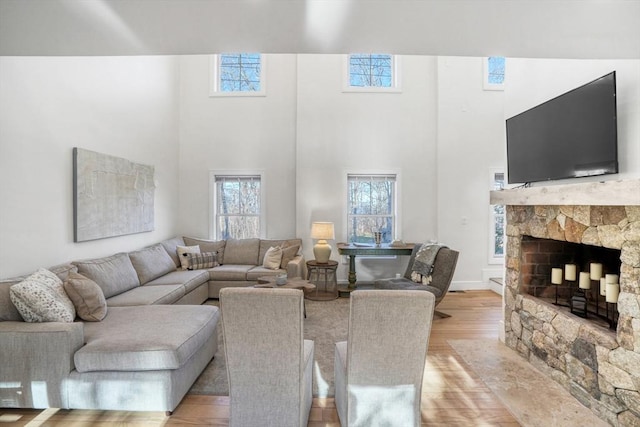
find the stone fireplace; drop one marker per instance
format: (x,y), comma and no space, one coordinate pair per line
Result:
(578,223)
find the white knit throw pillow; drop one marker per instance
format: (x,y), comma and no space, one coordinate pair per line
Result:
(272,258)
(41,298)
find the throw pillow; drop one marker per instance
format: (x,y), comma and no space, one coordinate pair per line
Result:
(198,261)
(272,258)
(41,298)
(288,253)
(183,252)
(87,297)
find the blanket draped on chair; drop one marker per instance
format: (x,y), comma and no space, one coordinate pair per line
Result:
(423,263)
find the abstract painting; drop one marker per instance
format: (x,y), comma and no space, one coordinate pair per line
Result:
(111,196)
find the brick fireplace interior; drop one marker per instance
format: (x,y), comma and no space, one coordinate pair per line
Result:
(537,258)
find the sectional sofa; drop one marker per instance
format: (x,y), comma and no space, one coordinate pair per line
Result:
(153,341)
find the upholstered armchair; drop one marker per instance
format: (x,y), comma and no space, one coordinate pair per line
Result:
(269,364)
(443,268)
(379,369)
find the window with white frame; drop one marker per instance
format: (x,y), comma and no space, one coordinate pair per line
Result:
(494,73)
(371,207)
(372,72)
(237,74)
(496,222)
(237,203)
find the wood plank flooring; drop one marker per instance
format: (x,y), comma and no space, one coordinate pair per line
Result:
(452,394)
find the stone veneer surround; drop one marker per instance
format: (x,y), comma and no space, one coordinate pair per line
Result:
(601,368)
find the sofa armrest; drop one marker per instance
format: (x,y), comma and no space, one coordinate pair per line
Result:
(297,267)
(36,360)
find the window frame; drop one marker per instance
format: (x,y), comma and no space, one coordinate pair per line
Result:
(493,257)
(214,233)
(396,81)
(485,75)
(397,220)
(214,78)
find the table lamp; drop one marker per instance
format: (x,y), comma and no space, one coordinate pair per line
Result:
(322,231)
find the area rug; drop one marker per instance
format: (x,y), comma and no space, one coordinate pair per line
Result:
(326,324)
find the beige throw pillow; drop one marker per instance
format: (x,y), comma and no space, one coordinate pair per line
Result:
(272,258)
(87,297)
(182,254)
(288,254)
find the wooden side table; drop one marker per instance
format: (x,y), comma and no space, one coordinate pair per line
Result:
(323,275)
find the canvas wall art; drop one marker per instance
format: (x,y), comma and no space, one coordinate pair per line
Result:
(112,196)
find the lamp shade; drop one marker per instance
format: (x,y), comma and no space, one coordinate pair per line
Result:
(322,230)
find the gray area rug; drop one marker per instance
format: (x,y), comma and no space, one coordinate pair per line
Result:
(326,324)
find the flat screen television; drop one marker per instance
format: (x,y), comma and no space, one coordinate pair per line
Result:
(570,136)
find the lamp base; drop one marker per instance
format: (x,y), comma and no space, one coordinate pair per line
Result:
(322,251)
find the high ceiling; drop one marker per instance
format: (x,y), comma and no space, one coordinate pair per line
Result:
(514,28)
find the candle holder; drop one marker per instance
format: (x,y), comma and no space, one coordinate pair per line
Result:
(578,303)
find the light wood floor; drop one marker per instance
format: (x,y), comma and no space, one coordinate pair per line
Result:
(453,395)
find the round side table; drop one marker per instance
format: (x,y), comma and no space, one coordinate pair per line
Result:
(323,275)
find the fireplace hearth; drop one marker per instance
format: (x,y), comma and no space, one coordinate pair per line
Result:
(550,227)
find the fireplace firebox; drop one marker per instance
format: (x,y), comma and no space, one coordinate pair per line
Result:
(540,256)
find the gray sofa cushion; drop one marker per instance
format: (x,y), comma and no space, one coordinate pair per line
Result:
(171,246)
(208,245)
(241,251)
(114,274)
(151,263)
(162,337)
(8,311)
(63,270)
(147,295)
(190,279)
(230,272)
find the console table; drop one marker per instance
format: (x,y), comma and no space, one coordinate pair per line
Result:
(384,250)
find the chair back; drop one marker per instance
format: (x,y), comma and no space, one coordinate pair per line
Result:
(386,353)
(264,350)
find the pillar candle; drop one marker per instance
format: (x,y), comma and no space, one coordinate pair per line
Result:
(611,278)
(556,276)
(603,286)
(585,280)
(613,289)
(570,272)
(596,270)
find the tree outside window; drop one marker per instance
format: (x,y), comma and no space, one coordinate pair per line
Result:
(371,207)
(370,70)
(237,74)
(494,73)
(240,72)
(237,207)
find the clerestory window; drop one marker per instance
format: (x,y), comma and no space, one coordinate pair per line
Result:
(237,74)
(376,72)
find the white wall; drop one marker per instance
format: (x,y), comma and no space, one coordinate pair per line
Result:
(533,81)
(125,107)
(341,132)
(470,145)
(237,133)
